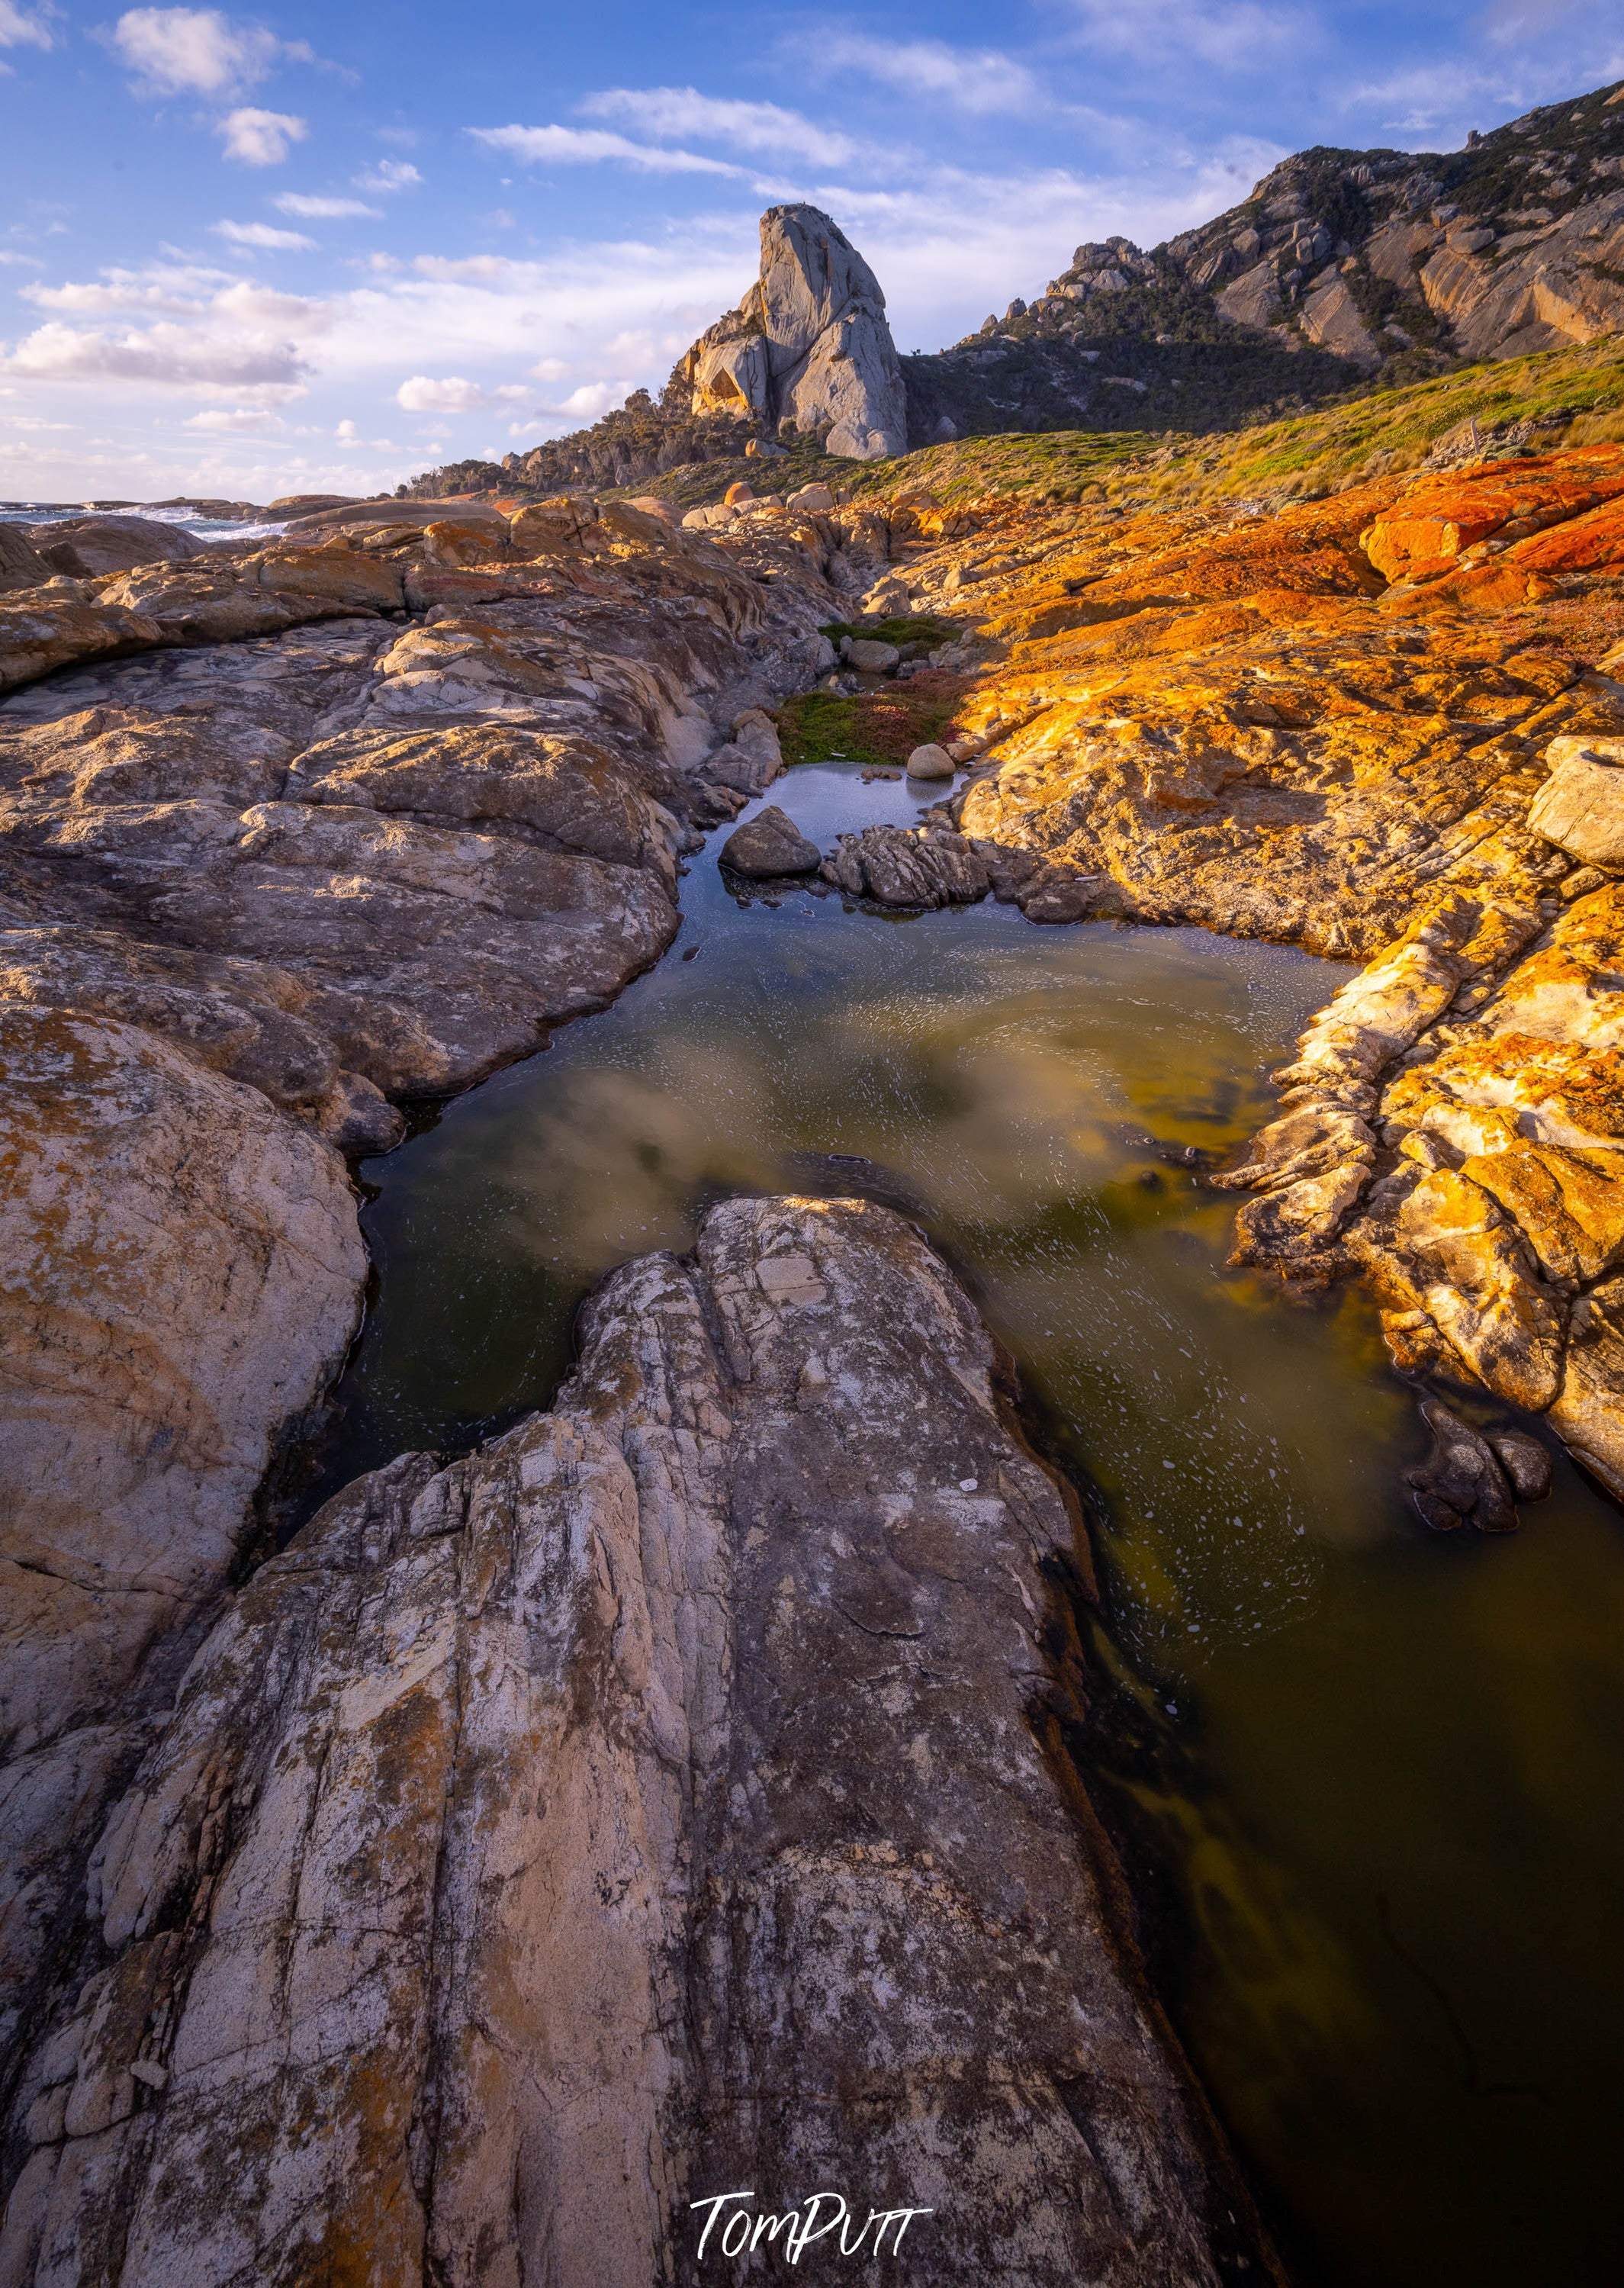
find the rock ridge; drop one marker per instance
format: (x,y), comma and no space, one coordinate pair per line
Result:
(651,1805)
(336,826)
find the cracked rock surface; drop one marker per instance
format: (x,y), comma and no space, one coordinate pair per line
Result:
(666,1799)
(283,863)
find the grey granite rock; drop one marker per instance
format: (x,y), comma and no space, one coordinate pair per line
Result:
(666,1800)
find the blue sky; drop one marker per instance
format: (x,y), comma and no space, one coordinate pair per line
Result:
(315,249)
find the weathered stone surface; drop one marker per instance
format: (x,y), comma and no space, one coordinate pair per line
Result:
(908,866)
(183,1272)
(808,344)
(666,1800)
(21,565)
(83,546)
(1580,807)
(771,843)
(249,893)
(752,759)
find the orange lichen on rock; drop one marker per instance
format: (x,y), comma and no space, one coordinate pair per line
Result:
(1432,524)
(1331,726)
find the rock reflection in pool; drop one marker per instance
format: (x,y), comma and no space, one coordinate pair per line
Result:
(1375,1776)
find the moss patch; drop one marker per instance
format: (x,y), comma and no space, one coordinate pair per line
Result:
(891,632)
(877,726)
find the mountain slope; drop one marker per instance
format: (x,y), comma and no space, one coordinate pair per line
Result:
(1342,268)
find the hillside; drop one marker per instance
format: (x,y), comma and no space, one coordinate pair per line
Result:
(1342,270)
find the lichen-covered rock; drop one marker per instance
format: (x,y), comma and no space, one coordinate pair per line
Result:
(667,1801)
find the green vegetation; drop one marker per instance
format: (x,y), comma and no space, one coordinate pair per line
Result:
(1569,396)
(877,726)
(891,632)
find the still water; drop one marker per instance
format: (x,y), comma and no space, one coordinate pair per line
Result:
(1369,1778)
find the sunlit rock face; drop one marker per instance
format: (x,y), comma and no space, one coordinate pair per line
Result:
(668,1799)
(1386,724)
(809,344)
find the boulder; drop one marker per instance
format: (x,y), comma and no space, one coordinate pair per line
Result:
(771,843)
(930,762)
(908,866)
(21,565)
(86,547)
(812,496)
(1580,807)
(753,759)
(712,1732)
(870,657)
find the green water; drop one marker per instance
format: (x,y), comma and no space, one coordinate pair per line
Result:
(1369,1778)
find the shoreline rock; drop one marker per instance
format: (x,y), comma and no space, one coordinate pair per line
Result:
(253,894)
(654,1803)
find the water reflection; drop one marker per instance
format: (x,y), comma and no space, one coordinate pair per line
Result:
(1375,1773)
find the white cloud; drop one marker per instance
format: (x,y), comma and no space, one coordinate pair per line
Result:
(420,394)
(1225,34)
(260,139)
(20,261)
(389,175)
(180,288)
(31,422)
(550,369)
(574,147)
(488,267)
(592,399)
(673,111)
(346,432)
(262,234)
(312,209)
(247,304)
(973,79)
(165,355)
(19,31)
(231,420)
(192,50)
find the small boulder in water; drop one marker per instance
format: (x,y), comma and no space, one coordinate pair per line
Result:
(771,843)
(1469,1480)
(929,762)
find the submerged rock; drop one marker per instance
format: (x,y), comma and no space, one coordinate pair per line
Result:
(666,1799)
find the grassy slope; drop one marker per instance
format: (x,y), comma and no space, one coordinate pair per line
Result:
(1579,391)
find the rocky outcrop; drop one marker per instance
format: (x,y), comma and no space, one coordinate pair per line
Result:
(808,348)
(911,866)
(81,547)
(1384,724)
(662,1814)
(254,894)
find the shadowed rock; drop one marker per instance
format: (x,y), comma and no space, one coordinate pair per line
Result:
(771,843)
